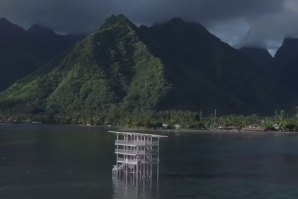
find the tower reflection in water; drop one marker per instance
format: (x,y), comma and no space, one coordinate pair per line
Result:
(131,188)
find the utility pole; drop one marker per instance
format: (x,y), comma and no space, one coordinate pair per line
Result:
(201,115)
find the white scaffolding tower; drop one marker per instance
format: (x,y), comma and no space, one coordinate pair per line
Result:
(137,155)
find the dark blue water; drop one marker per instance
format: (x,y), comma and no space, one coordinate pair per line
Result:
(63,162)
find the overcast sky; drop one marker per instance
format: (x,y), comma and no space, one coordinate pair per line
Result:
(238,22)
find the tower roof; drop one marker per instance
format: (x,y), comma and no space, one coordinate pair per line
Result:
(139,134)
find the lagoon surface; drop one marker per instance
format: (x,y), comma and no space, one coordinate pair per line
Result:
(65,162)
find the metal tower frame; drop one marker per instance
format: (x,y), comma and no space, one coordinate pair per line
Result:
(137,155)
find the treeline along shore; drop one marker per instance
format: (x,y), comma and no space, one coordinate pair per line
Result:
(170,120)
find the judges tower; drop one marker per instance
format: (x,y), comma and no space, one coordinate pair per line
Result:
(137,155)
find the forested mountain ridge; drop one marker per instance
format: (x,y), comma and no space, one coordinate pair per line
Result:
(22,52)
(121,71)
(111,69)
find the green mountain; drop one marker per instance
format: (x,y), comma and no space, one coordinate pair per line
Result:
(110,69)
(123,70)
(22,52)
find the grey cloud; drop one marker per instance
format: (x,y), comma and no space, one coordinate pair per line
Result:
(272,27)
(270,30)
(203,11)
(77,15)
(218,15)
(61,15)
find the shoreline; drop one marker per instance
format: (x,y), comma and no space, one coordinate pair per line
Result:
(206,131)
(163,131)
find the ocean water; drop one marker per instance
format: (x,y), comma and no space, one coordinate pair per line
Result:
(66,162)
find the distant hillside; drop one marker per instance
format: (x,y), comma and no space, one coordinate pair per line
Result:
(122,70)
(267,69)
(286,60)
(47,44)
(22,52)
(261,58)
(206,73)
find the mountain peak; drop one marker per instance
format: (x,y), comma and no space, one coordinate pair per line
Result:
(10,30)
(118,17)
(38,29)
(288,49)
(177,20)
(290,41)
(174,22)
(179,23)
(118,20)
(4,23)
(3,20)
